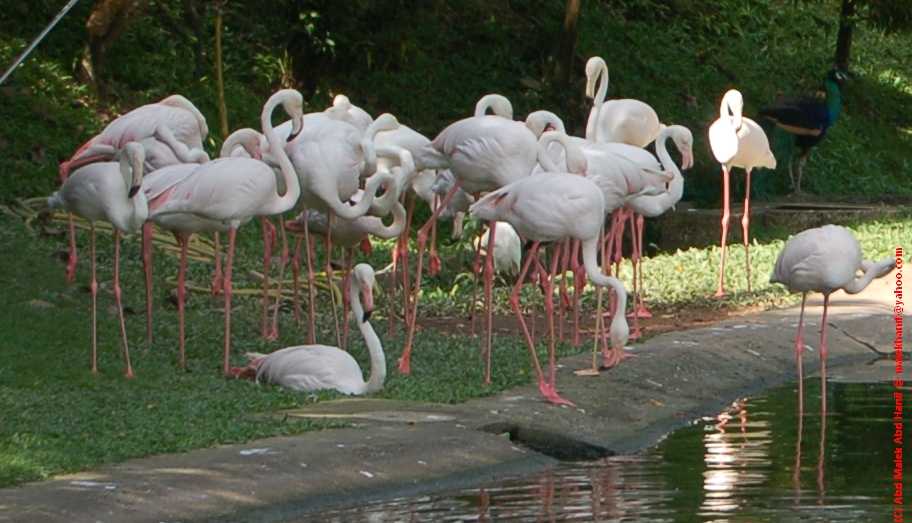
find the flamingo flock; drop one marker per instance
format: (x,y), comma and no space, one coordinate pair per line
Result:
(342,172)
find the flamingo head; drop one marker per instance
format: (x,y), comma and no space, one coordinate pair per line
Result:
(131,158)
(540,122)
(683,140)
(363,277)
(293,103)
(594,68)
(491,206)
(248,372)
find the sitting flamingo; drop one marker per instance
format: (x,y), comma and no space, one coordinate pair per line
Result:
(320,367)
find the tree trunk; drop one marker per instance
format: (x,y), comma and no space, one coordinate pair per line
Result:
(219,80)
(108,20)
(567,48)
(844,38)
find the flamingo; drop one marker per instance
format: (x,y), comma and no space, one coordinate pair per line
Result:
(233,190)
(824,259)
(627,121)
(507,251)
(485,152)
(108,191)
(171,130)
(156,187)
(344,110)
(329,156)
(737,141)
(320,367)
(551,207)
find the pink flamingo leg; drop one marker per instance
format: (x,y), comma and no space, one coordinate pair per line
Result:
(745,232)
(489,298)
(346,276)
(232,234)
(823,350)
(117,298)
(71,259)
(217,276)
(642,311)
(564,300)
(634,259)
(404,260)
(514,303)
(268,239)
(720,291)
(433,258)
(549,390)
(476,270)
(296,280)
(283,261)
(394,279)
(579,283)
(330,278)
(799,350)
(93,288)
(405,360)
(184,241)
(147,269)
(311,287)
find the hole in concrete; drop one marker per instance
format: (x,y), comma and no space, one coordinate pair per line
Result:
(556,445)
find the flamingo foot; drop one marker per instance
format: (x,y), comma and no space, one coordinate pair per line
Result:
(635,334)
(614,357)
(216,287)
(549,392)
(129,374)
(405,366)
(641,312)
(433,264)
(71,268)
(720,294)
(272,334)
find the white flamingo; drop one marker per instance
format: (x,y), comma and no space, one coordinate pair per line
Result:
(108,191)
(171,131)
(626,120)
(552,207)
(320,367)
(233,190)
(485,152)
(824,259)
(737,141)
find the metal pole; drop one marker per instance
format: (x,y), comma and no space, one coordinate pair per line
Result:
(37,40)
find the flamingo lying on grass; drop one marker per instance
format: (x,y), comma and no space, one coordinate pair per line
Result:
(320,367)
(552,207)
(108,191)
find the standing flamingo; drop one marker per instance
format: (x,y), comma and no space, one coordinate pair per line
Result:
(171,130)
(737,141)
(627,121)
(320,367)
(485,153)
(823,259)
(108,191)
(233,190)
(551,207)
(329,157)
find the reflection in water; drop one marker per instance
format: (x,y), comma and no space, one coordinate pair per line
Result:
(744,465)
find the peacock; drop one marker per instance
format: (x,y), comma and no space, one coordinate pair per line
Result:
(807,119)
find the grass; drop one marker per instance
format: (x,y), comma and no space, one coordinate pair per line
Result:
(58,417)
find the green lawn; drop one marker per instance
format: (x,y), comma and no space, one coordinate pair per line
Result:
(58,417)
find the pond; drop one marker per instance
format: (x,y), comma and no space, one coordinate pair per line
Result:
(754,462)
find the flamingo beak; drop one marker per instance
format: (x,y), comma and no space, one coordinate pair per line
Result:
(367,294)
(687,161)
(134,190)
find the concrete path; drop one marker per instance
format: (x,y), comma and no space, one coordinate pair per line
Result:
(398,449)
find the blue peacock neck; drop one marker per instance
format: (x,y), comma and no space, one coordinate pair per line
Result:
(833,99)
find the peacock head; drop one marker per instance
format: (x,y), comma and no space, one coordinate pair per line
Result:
(837,76)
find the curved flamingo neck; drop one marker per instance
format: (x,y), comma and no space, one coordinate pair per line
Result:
(374,348)
(594,273)
(575,159)
(277,149)
(731,108)
(871,271)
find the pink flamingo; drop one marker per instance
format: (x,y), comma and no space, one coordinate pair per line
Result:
(737,141)
(329,157)
(108,191)
(824,259)
(552,207)
(171,130)
(485,152)
(233,190)
(627,120)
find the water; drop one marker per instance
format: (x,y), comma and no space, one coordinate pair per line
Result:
(737,467)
